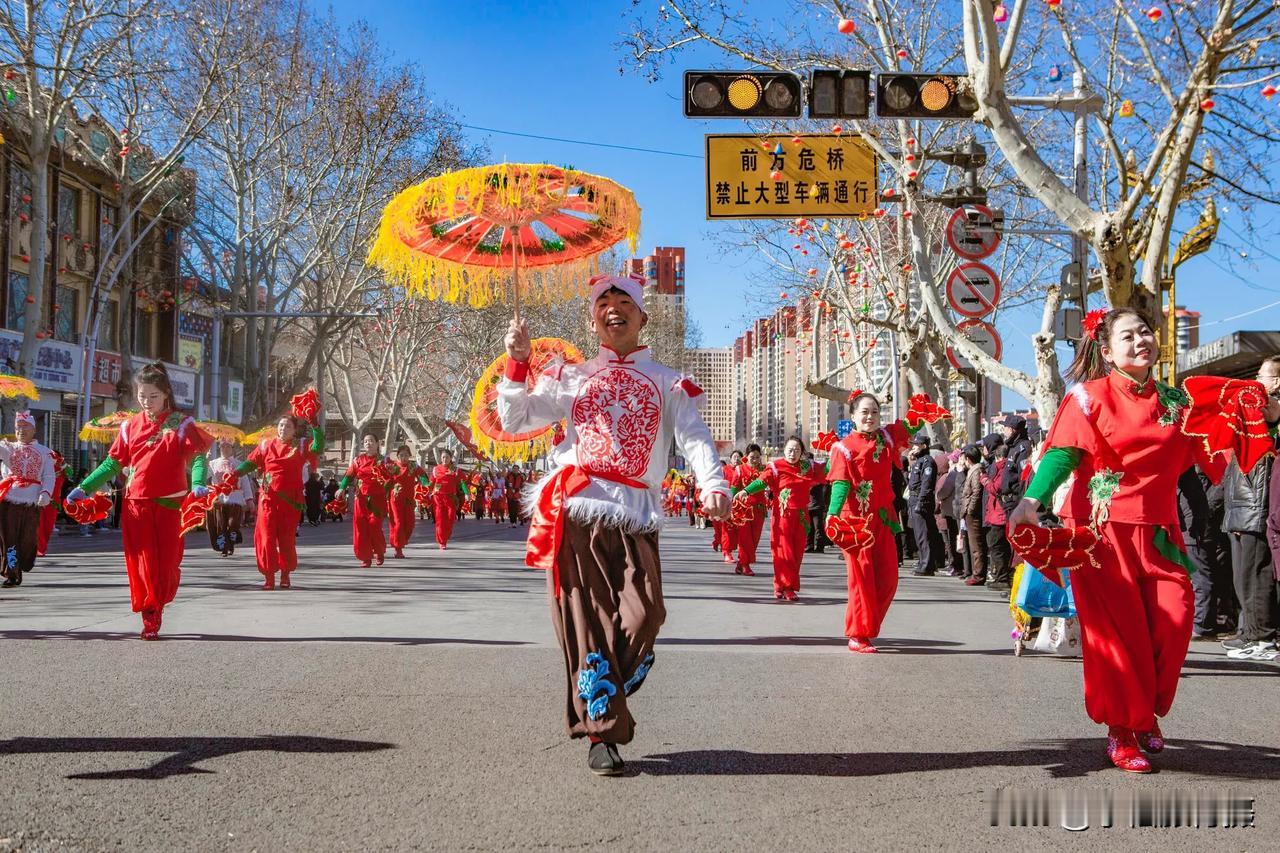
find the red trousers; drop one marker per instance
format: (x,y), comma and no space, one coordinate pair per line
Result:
(275,535)
(48,516)
(367,538)
(446,515)
(787,538)
(873,579)
(728,537)
(152,538)
(402,520)
(749,537)
(1136,614)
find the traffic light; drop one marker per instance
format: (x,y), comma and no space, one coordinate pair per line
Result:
(942,96)
(839,94)
(742,94)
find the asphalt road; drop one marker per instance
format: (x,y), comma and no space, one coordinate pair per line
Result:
(417,705)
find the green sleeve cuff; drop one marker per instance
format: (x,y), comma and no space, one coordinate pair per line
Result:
(343,483)
(199,470)
(755,487)
(839,494)
(912,430)
(317,440)
(108,470)
(425,480)
(244,468)
(1054,469)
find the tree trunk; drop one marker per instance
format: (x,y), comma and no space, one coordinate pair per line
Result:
(34,313)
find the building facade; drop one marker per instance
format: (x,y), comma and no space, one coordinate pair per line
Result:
(713,370)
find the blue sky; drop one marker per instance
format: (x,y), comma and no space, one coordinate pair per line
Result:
(551,68)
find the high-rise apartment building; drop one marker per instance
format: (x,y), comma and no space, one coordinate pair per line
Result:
(713,370)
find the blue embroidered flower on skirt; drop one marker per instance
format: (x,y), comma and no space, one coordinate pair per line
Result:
(592,680)
(11,557)
(221,542)
(641,671)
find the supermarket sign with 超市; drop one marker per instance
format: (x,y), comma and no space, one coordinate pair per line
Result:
(778,176)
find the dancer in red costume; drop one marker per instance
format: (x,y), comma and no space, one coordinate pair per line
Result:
(1119,434)
(497,498)
(749,533)
(158,446)
(405,475)
(448,490)
(49,515)
(280,500)
(724,534)
(515,484)
(790,479)
(862,465)
(369,470)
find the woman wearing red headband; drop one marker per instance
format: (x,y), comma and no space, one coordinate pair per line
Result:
(1119,434)
(158,446)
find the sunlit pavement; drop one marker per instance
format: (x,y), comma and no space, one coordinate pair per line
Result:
(419,705)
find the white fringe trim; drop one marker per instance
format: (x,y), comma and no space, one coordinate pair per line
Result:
(587,510)
(1081,395)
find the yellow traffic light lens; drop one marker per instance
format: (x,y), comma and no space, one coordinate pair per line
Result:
(936,94)
(744,93)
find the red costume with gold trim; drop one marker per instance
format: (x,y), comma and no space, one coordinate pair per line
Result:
(281,502)
(749,533)
(790,485)
(49,515)
(371,477)
(448,491)
(866,462)
(404,478)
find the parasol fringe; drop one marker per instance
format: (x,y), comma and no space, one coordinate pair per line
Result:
(98,435)
(478,286)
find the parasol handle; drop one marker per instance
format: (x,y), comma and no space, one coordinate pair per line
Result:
(515,278)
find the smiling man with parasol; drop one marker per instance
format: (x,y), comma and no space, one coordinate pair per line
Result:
(596,518)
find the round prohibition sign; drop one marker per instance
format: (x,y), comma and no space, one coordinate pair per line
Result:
(981,333)
(973,238)
(973,290)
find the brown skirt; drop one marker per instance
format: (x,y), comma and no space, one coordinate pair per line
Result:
(607,619)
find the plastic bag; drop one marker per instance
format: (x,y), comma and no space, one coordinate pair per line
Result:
(1059,636)
(1039,596)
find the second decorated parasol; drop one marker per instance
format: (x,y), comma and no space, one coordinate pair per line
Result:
(457,236)
(486,426)
(104,429)
(18,386)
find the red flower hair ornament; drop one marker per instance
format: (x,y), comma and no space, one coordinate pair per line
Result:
(1093,320)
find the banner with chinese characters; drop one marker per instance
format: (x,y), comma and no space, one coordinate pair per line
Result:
(780,177)
(57,366)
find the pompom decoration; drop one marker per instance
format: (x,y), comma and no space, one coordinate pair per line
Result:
(846,26)
(854,394)
(88,511)
(850,533)
(422,495)
(1092,321)
(824,441)
(921,410)
(305,405)
(337,506)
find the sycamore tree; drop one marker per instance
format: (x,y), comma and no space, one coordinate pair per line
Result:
(1171,88)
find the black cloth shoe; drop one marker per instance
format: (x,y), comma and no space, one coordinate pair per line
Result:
(603,760)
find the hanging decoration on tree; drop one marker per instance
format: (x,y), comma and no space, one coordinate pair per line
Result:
(1126,109)
(846,26)
(1055,73)
(1000,14)
(1155,14)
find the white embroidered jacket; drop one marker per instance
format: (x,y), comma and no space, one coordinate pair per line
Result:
(621,414)
(30,462)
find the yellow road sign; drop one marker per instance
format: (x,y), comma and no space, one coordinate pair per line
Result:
(777,177)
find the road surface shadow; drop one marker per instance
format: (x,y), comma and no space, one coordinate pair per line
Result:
(1068,758)
(185,753)
(232,638)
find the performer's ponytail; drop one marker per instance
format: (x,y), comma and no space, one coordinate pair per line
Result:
(1089,363)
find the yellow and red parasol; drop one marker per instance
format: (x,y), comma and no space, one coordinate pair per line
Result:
(104,429)
(456,237)
(17,386)
(258,436)
(221,431)
(486,426)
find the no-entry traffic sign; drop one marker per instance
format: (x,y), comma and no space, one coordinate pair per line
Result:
(973,231)
(981,333)
(973,290)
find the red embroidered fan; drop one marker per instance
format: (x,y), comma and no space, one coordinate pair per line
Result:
(1055,549)
(193,509)
(922,410)
(306,405)
(337,506)
(422,495)
(89,510)
(850,532)
(1227,414)
(825,441)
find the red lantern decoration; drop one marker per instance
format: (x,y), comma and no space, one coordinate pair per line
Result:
(902,53)
(1207,104)
(846,26)
(1154,14)
(835,128)
(775,176)
(1268,91)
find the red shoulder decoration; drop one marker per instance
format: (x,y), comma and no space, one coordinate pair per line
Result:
(690,388)
(1055,549)
(1227,415)
(306,405)
(825,441)
(922,410)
